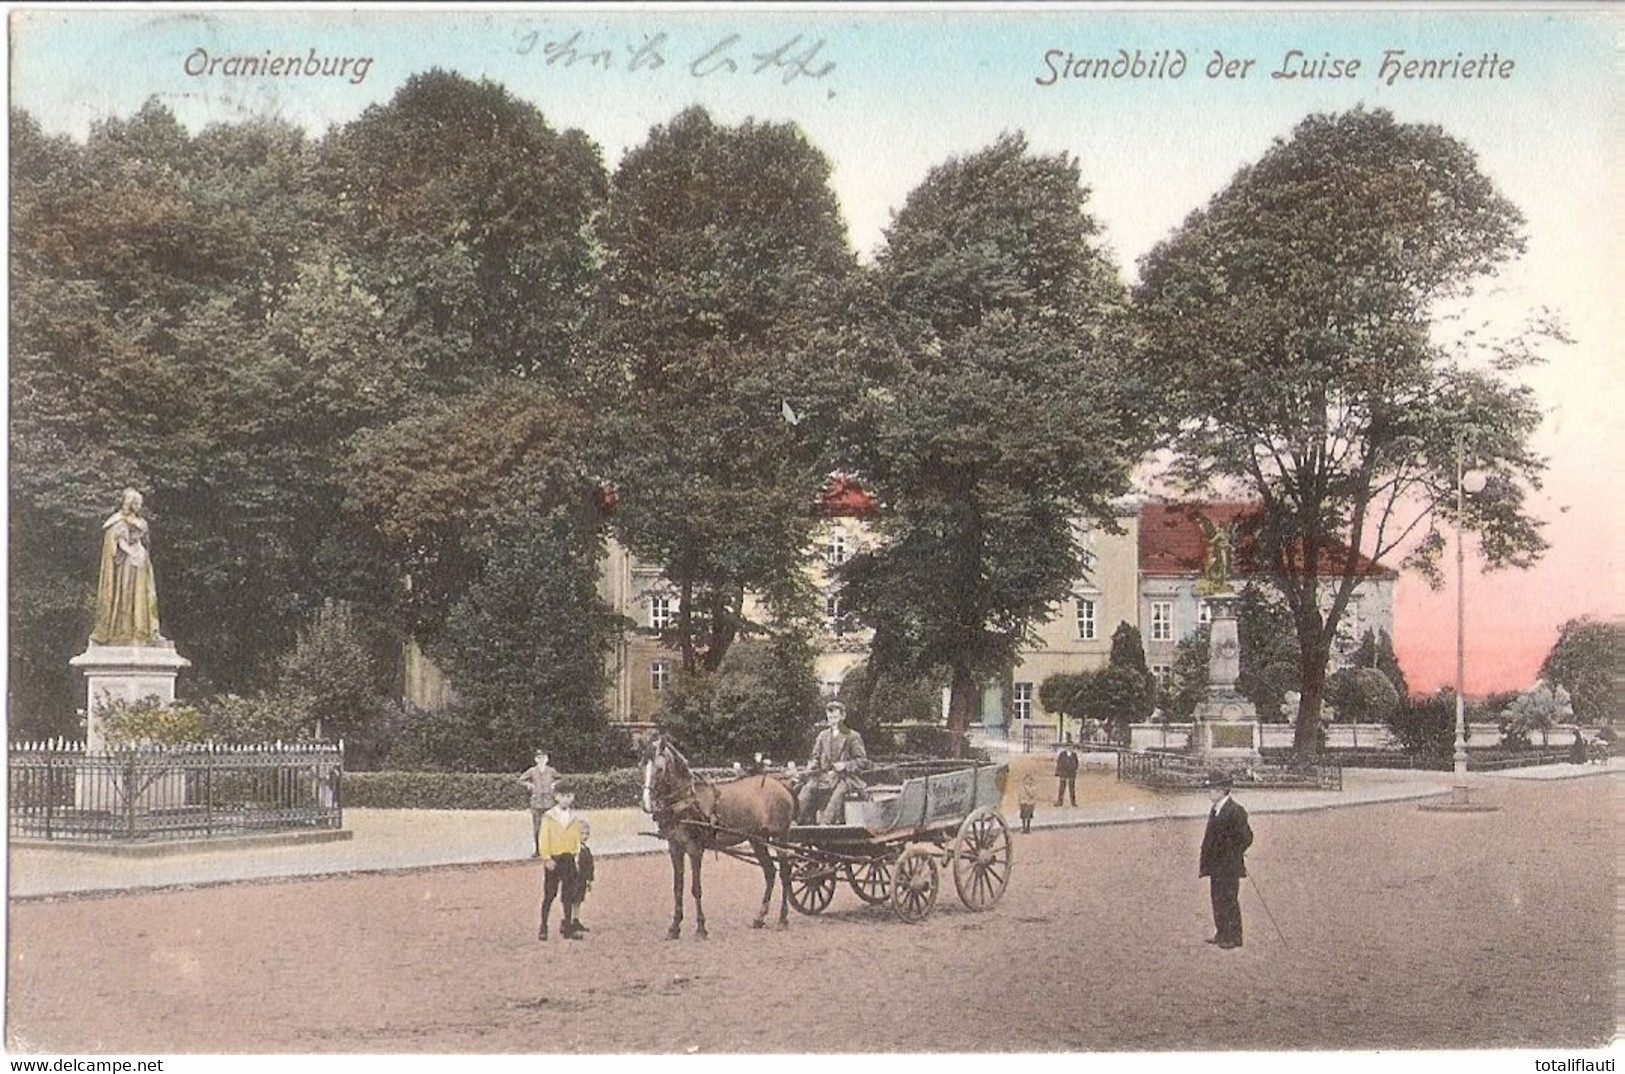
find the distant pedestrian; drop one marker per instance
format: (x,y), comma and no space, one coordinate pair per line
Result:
(541,779)
(1224,845)
(560,843)
(1028,801)
(1066,774)
(1579,752)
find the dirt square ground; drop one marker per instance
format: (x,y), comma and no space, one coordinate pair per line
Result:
(1402,929)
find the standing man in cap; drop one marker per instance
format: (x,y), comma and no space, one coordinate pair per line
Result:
(837,758)
(539,779)
(1224,846)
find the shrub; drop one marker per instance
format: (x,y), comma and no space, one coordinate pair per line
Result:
(330,677)
(1427,726)
(1362,695)
(150,721)
(890,697)
(615,789)
(904,741)
(223,718)
(245,720)
(470,736)
(764,699)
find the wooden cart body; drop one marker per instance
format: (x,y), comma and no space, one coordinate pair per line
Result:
(910,822)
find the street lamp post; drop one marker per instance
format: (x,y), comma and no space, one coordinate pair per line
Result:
(1466,481)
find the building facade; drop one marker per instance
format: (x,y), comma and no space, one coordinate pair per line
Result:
(1172,555)
(1145,571)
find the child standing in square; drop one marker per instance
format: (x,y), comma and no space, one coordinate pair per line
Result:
(584,874)
(559,841)
(1028,801)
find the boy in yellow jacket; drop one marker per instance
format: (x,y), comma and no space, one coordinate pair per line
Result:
(559,842)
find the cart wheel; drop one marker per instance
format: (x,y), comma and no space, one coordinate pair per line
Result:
(812,885)
(914,884)
(871,880)
(982,859)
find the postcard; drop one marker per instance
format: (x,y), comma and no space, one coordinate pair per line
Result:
(1070,532)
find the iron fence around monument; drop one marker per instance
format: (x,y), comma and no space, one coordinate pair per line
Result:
(1153,768)
(62,793)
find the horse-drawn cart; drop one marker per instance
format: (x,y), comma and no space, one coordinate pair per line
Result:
(901,830)
(912,823)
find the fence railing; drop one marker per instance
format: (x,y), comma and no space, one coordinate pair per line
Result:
(60,792)
(1178,770)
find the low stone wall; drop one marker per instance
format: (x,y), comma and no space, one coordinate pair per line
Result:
(1339,736)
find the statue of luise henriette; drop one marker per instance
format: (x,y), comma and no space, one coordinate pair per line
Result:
(126,596)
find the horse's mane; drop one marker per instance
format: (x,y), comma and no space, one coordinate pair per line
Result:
(680,763)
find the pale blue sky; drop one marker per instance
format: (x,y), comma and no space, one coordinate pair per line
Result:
(910,88)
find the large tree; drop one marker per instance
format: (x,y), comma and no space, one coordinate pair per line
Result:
(167,334)
(721,245)
(1295,318)
(1588,660)
(999,415)
(467,213)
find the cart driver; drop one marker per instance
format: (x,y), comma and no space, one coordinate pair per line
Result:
(837,758)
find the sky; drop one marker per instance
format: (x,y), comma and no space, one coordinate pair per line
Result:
(888,93)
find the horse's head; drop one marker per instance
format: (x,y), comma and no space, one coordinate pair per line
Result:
(666,775)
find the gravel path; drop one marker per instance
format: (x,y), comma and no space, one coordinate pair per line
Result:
(1403,929)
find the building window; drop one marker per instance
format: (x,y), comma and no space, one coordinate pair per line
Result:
(660,612)
(1164,674)
(1162,620)
(1088,630)
(1021,706)
(839,550)
(659,675)
(1204,612)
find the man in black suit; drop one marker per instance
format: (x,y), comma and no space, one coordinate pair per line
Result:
(1066,773)
(1224,845)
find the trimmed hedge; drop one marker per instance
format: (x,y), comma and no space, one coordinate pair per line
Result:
(615,789)
(619,788)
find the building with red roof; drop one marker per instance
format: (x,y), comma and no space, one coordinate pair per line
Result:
(1173,554)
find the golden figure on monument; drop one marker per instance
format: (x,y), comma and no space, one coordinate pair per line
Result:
(126,597)
(1221,542)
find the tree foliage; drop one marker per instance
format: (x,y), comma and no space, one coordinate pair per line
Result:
(240,323)
(1376,650)
(998,414)
(163,285)
(1537,709)
(1269,657)
(1587,660)
(763,699)
(1362,695)
(717,243)
(333,680)
(876,698)
(467,215)
(1295,318)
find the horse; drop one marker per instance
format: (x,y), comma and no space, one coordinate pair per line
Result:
(695,815)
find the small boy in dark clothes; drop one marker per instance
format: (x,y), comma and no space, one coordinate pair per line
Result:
(584,874)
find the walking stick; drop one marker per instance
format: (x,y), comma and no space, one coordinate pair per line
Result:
(1267,913)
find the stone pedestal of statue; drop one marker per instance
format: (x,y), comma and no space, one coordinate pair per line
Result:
(128,673)
(1226,723)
